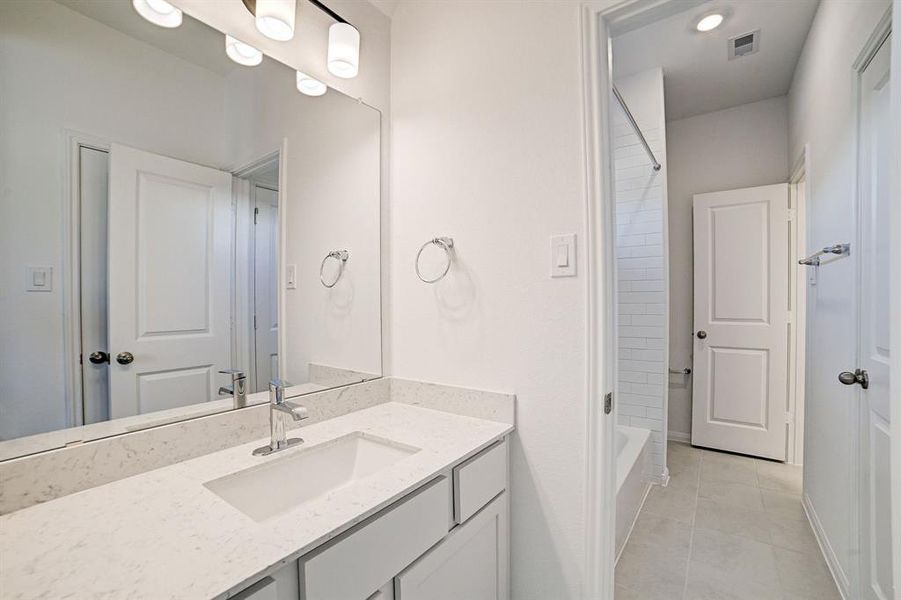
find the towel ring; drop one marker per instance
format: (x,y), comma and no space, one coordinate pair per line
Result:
(442,242)
(339,255)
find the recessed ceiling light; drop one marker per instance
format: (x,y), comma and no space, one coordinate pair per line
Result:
(710,22)
(241,53)
(309,86)
(158,12)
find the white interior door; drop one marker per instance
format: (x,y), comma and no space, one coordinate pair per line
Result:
(741,316)
(874,257)
(92,223)
(265,292)
(170,266)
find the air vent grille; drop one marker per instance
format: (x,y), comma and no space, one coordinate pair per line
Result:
(744,44)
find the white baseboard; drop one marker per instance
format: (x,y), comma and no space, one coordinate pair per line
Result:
(678,436)
(841,579)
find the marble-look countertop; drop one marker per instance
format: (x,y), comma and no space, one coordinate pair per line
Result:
(162,534)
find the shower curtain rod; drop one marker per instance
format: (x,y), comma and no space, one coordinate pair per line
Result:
(634,124)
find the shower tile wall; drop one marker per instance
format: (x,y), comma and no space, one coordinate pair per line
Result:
(641,263)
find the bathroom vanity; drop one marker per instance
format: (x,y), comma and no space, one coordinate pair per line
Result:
(393,501)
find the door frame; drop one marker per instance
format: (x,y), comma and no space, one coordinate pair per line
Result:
(895,287)
(70,276)
(799,192)
(244,349)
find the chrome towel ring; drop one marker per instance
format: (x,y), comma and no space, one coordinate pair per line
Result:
(339,255)
(447,244)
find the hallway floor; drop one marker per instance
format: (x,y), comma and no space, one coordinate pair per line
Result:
(726,527)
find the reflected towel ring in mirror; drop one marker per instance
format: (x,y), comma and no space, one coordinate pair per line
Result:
(442,242)
(341,257)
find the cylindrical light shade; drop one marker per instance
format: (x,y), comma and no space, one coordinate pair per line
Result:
(275,18)
(158,12)
(241,53)
(343,50)
(309,86)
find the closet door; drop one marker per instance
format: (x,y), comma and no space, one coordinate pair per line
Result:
(741,316)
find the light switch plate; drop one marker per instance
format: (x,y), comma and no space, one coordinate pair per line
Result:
(291,277)
(563,255)
(40,279)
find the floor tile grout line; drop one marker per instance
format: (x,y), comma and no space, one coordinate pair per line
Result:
(691,531)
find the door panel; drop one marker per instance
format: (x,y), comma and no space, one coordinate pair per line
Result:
(92,220)
(170,235)
(741,305)
(875,431)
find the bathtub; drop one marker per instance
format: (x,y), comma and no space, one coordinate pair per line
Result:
(632,484)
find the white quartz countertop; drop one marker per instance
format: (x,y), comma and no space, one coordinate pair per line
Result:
(162,534)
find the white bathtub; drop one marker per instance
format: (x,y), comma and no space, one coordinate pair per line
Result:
(632,485)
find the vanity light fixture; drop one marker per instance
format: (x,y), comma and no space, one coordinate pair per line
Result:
(158,12)
(343,50)
(241,53)
(709,22)
(275,18)
(309,86)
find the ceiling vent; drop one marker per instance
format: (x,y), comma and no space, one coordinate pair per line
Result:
(744,44)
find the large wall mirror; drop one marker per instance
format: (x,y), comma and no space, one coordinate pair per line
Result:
(167,215)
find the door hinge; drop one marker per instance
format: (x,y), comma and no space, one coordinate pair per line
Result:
(608,403)
(256,211)
(254,322)
(791,214)
(789,418)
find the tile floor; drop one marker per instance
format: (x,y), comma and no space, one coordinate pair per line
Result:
(726,527)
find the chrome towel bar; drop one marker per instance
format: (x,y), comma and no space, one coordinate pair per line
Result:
(341,256)
(446,244)
(814,259)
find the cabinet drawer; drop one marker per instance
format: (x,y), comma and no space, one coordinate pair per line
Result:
(358,563)
(478,480)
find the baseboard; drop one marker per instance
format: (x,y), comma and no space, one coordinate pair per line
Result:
(838,575)
(678,436)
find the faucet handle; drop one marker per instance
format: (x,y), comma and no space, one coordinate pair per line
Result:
(235,373)
(279,383)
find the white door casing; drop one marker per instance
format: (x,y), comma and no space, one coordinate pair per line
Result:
(873,328)
(170,241)
(741,305)
(265,285)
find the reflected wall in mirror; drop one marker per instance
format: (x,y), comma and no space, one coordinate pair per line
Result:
(168,214)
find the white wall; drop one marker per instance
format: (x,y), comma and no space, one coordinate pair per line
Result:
(487,133)
(739,147)
(822,114)
(641,199)
(72,64)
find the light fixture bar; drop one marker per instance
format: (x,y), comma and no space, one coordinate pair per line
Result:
(251,6)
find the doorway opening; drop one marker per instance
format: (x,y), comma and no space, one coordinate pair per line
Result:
(716,446)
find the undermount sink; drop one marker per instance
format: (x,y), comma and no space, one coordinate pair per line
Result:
(306,474)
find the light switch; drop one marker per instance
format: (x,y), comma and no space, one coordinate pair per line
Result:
(291,277)
(40,279)
(563,255)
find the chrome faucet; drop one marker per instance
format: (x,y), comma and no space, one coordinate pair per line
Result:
(277,404)
(238,389)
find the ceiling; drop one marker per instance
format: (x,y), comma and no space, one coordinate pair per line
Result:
(193,41)
(698,75)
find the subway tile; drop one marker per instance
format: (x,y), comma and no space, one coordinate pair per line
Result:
(650,320)
(631,342)
(647,286)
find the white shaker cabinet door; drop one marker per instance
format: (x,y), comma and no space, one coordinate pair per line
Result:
(472,562)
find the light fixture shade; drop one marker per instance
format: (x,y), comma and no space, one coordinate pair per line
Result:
(710,22)
(158,12)
(309,86)
(343,50)
(275,18)
(241,53)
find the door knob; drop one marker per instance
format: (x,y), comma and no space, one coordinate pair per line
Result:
(702,334)
(99,357)
(125,358)
(858,376)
